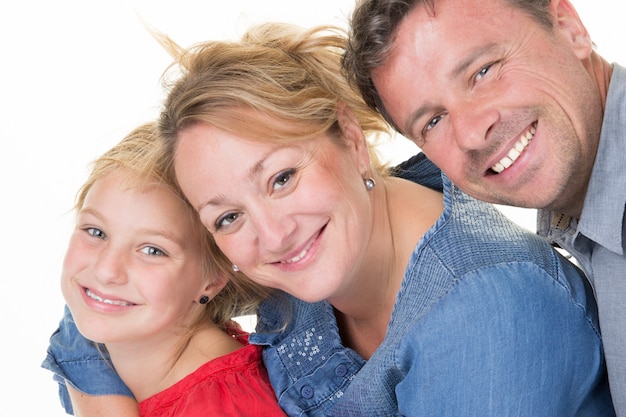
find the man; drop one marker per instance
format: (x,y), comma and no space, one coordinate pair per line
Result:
(511,101)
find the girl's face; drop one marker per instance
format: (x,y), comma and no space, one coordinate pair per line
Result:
(293,216)
(133,267)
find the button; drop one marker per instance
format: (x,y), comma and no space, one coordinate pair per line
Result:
(341,370)
(307,392)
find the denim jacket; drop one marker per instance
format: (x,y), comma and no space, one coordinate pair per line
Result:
(489,321)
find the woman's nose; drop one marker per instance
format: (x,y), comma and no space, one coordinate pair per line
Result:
(274,227)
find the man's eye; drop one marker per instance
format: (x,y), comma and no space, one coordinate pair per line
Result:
(483,71)
(95,232)
(283,178)
(433,122)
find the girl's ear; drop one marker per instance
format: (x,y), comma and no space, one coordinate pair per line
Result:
(354,136)
(213,286)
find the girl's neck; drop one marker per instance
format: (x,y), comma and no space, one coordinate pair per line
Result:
(151,366)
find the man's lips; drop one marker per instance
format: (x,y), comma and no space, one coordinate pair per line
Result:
(518,148)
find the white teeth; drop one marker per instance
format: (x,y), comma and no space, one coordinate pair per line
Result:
(299,256)
(506,162)
(513,154)
(106,300)
(516,151)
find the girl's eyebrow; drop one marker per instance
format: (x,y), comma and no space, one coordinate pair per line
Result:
(178,240)
(90,211)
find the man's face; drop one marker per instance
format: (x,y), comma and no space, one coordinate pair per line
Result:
(503,105)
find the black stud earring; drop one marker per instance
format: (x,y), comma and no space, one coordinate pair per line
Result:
(204,299)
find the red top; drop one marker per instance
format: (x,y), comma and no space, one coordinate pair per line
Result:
(232,385)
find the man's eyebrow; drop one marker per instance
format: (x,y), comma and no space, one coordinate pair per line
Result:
(414,116)
(456,72)
(462,66)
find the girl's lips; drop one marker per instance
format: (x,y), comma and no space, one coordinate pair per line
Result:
(109,301)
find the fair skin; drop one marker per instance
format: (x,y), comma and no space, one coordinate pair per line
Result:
(341,242)
(101,406)
(510,110)
(296,216)
(132,277)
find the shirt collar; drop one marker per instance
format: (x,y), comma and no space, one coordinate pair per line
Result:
(603,210)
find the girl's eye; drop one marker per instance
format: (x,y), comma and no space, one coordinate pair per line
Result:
(95,232)
(283,178)
(152,251)
(226,220)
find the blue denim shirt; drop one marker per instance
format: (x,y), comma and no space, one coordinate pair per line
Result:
(77,361)
(489,321)
(598,239)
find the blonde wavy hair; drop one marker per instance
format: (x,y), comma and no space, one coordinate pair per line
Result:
(142,155)
(278,83)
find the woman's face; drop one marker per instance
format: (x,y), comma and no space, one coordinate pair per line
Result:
(133,267)
(293,216)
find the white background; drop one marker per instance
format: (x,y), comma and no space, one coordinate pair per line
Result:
(76,76)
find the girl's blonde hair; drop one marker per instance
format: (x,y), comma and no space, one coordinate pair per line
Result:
(141,155)
(278,83)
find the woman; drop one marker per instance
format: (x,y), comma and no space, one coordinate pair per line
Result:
(405,299)
(142,277)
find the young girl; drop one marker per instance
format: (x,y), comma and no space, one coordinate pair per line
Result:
(143,277)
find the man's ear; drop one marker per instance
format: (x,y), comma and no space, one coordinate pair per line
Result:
(568,23)
(354,136)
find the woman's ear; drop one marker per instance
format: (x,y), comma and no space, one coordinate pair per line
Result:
(353,134)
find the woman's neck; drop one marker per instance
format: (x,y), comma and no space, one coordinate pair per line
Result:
(403,212)
(151,366)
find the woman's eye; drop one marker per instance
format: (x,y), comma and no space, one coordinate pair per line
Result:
(95,232)
(226,220)
(283,178)
(152,251)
